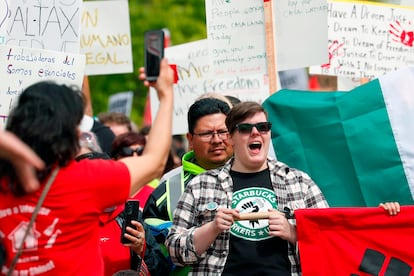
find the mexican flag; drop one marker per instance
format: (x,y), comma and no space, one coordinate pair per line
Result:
(358,146)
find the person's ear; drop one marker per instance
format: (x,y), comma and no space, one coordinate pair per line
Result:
(230,140)
(190,140)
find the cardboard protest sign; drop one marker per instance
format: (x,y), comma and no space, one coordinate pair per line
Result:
(249,37)
(236,36)
(21,67)
(195,79)
(47,24)
(106,37)
(367,40)
(300,33)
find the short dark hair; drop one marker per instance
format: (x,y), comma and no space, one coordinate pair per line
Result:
(46,118)
(204,107)
(242,111)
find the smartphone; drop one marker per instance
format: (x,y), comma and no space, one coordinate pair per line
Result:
(131,212)
(154,52)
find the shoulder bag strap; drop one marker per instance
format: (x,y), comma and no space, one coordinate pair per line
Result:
(32,219)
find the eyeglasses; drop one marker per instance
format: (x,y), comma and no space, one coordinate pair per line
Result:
(126,151)
(207,136)
(246,128)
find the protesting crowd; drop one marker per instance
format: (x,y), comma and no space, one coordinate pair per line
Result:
(217,204)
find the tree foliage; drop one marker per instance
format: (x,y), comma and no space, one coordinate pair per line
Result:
(186,22)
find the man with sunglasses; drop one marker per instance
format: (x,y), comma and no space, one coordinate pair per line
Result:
(208,140)
(237,219)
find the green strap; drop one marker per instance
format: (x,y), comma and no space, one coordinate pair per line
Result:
(174,188)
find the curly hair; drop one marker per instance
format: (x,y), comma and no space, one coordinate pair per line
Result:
(46,118)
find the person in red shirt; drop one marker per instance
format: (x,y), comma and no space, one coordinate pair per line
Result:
(118,256)
(65,237)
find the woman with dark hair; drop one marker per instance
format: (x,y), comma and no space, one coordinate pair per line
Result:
(125,144)
(65,237)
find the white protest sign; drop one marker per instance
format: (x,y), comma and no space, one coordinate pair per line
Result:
(195,79)
(106,37)
(367,40)
(4,10)
(20,67)
(47,24)
(300,33)
(121,102)
(236,36)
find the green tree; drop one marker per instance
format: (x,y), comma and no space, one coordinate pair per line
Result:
(186,22)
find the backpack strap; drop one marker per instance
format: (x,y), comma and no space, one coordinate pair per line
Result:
(175,188)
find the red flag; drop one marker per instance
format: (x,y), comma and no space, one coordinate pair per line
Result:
(355,241)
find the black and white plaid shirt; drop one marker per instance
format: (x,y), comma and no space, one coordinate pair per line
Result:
(294,189)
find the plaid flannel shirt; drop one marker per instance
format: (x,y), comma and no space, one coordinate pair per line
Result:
(294,189)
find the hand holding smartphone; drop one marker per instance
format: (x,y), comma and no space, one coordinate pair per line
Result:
(154,52)
(131,213)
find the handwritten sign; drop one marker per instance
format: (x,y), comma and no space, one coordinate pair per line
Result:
(236,36)
(368,40)
(47,24)
(300,33)
(22,67)
(121,102)
(196,78)
(106,37)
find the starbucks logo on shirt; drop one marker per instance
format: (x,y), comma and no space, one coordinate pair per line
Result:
(250,200)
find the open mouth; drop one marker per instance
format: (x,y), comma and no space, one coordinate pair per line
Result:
(255,146)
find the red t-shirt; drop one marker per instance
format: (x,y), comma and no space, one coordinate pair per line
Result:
(65,236)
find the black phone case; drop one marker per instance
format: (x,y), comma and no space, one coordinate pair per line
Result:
(154,52)
(131,213)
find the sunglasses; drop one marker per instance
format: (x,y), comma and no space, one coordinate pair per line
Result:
(126,151)
(246,128)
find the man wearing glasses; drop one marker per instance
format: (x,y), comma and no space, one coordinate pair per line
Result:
(237,219)
(208,140)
